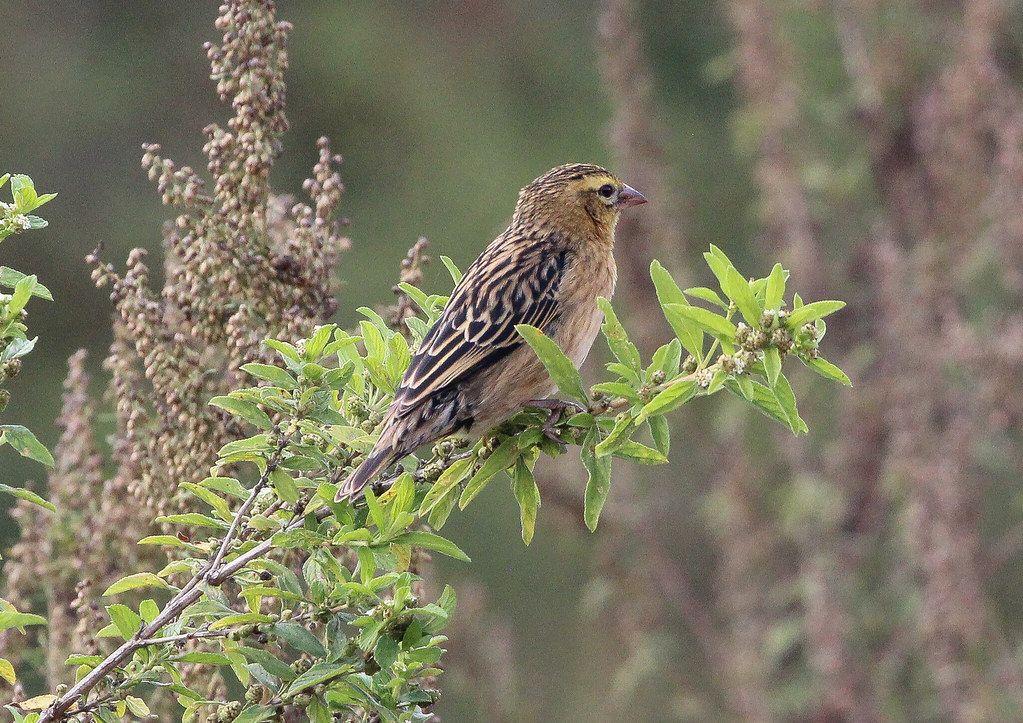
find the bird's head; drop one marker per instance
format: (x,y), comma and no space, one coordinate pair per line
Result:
(578,198)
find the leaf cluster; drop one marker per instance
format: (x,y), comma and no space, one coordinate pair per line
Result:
(315,605)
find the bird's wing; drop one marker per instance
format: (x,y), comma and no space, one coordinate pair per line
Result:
(505,286)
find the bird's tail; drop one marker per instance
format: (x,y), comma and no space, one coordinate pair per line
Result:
(351,488)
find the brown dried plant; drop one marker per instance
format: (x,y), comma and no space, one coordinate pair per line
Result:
(241,264)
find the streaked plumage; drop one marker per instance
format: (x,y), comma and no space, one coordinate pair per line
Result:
(547,269)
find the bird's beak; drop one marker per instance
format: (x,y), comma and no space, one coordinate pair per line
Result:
(629,196)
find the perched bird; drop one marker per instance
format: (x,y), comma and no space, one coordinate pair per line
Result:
(473,370)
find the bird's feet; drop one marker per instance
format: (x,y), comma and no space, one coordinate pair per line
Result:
(557,409)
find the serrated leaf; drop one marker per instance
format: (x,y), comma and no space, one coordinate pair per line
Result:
(269,373)
(430,541)
(28,496)
(25,443)
(248,411)
(127,621)
(560,367)
(598,485)
(775,288)
(131,582)
(810,312)
(527,494)
(828,370)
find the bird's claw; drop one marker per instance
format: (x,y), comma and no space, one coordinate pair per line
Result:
(557,409)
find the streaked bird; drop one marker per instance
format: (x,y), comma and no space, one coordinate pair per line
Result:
(473,370)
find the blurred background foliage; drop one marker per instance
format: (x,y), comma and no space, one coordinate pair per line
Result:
(867,572)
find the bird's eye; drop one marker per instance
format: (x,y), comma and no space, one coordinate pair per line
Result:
(606,191)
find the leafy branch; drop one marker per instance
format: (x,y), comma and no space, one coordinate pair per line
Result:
(343,639)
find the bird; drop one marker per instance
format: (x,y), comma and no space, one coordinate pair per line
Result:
(473,370)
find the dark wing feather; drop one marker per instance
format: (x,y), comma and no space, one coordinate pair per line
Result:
(509,284)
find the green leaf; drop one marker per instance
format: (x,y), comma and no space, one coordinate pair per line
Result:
(248,411)
(7,671)
(148,609)
(256,714)
(598,485)
(14,619)
(617,339)
(738,290)
(810,312)
(299,637)
(446,483)
(131,582)
(668,292)
(240,619)
(28,496)
(667,358)
(272,664)
(456,275)
(560,367)
(25,443)
(702,292)
(499,460)
(201,657)
(269,373)
(211,498)
(710,322)
(227,485)
(22,293)
(775,288)
(386,651)
(667,399)
(631,449)
(827,369)
(319,673)
(430,541)
(193,518)
(10,277)
(127,621)
(787,403)
(661,433)
(616,389)
(285,485)
(772,365)
(623,426)
(137,706)
(527,494)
